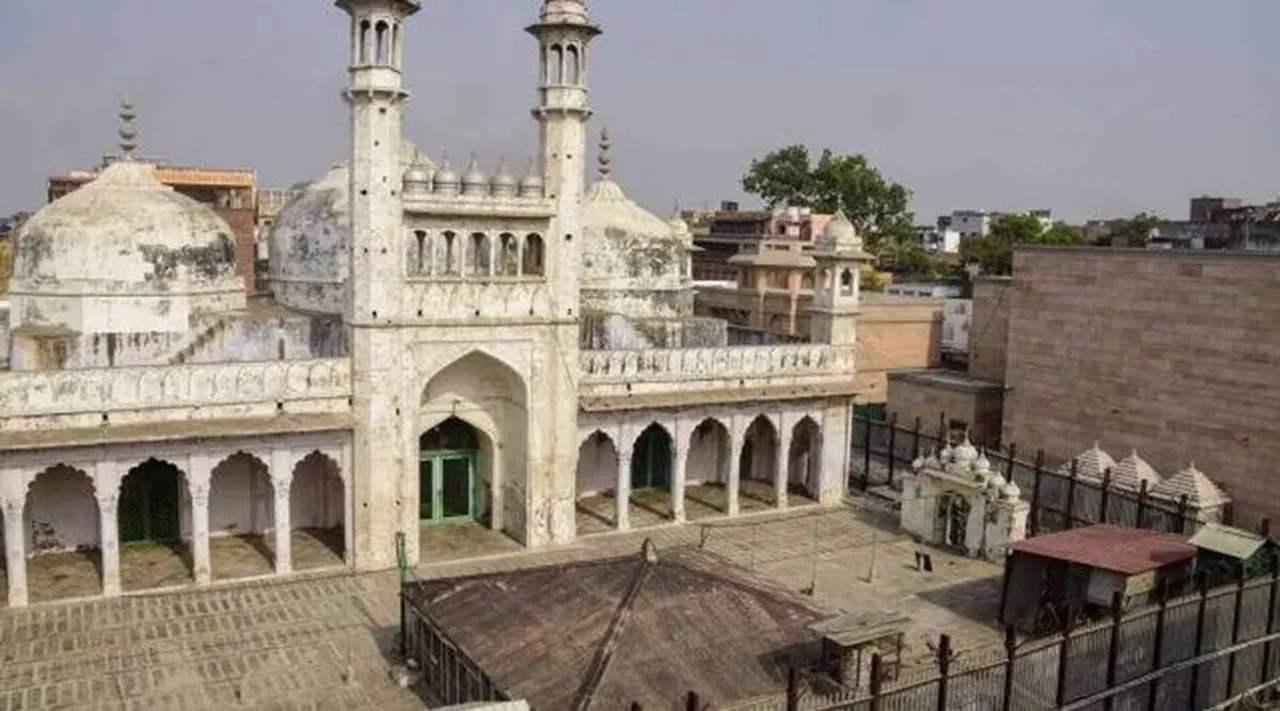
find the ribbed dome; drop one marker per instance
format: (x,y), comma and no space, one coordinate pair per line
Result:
(310,241)
(417,180)
(840,235)
(504,184)
(474,182)
(156,237)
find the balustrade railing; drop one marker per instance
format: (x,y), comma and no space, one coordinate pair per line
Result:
(675,364)
(27,394)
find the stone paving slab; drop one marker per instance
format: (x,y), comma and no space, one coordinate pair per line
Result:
(327,642)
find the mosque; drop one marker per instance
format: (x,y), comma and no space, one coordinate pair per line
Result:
(517,354)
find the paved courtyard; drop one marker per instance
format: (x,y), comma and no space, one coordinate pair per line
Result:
(326,642)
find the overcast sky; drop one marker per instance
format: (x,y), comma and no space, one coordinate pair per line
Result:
(1088,107)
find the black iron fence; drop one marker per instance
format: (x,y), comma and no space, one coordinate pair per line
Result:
(1192,652)
(883,449)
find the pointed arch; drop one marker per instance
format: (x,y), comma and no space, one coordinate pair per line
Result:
(152,503)
(597,464)
(490,396)
(382,38)
(480,262)
(317,507)
(555,65)
(759,455)
(572,65)
(652,456)
(534,256)
(366,43)
(508,255)
(451,260)
(62,523)
(710,449)
(804,460)
(846,282)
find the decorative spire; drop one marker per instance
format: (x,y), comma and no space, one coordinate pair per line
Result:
(605,156)
(128,129)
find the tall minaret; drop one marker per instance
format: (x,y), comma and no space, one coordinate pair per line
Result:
(564,32)
(377,267)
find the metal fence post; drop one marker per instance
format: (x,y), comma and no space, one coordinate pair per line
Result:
(1267,654)
(691,702)
(1064,650)
(1183,504)
(944,670)
(893,450)
(1104,500)
(1142,505)
(1235,630)
(1157,651)
(1113,647)
(866,455)
(1193,692)
(793,689)
(1035,493)
(1071,494)
(1011,658)
(915,439)
(1008,466)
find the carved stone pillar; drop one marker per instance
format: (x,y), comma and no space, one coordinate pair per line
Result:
(678,477)
(781,475)
(109,533)
(200,533)
(283,528)
(15,552)
(736,441)
(199,482)
(622,493)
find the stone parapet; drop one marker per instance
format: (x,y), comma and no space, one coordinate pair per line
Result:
(690,365)
(92,397)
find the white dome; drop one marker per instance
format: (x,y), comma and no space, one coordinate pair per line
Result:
(309,244)
(124,235)
(631,258)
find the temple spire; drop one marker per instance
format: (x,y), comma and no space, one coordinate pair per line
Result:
(128,129)
(605,156)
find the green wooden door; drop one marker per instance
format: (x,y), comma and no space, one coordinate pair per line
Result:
(150,504)
(447,486)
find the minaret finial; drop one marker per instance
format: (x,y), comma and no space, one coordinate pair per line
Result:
(606,154)
(128,129)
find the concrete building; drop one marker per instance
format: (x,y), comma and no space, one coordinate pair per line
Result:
(513,355)
(229,192)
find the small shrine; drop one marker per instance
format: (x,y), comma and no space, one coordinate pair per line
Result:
(954,498)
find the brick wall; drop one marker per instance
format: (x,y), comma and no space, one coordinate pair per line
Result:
(934,397)
(242,224)
(989,328)
(1175,354)
(895,334)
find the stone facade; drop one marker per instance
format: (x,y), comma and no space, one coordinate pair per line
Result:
(1168,353)
(989,328)
(427,356)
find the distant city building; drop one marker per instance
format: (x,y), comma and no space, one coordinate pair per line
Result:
(939,240)
(732,231)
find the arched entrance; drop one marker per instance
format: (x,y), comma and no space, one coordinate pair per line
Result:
(651,460)
(150,504)
(448,465)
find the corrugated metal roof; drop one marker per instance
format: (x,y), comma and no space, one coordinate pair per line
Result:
(1228,541)
(1127,551)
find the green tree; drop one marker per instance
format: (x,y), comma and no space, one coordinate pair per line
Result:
(993,252)
(1136,231)
(876,206)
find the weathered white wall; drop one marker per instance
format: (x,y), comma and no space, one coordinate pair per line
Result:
(709,452)
(597,467)
(240,497)
(316,496)
(61,512)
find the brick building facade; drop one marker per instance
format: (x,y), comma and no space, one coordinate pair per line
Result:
(1175,354)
